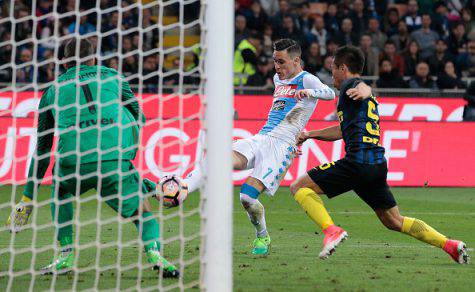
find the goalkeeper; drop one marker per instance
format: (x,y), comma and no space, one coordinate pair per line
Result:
(98,121)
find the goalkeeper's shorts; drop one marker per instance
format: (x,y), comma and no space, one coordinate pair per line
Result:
(116,181)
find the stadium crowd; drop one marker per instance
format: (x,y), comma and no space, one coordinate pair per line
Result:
(406,42)
(431,39)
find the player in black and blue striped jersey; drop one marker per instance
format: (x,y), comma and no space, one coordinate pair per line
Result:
(363,169)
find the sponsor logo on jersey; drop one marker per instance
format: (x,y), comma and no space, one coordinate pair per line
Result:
(93,122)
(285,90)
(278,105)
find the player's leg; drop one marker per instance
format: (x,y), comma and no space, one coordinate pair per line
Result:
(307,194)
(375,191)
(62,214)
(249,197)
(123,188)
(331,179)
(393,220)
(194,179)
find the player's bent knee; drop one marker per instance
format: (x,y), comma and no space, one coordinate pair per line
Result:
(294,187)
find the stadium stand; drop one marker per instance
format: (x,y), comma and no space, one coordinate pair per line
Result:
(438,37)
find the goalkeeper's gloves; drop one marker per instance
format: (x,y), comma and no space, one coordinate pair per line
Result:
(20,214)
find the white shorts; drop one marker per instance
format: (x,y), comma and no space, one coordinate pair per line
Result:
(270,158)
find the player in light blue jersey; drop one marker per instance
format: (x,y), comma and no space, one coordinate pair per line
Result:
(271,151)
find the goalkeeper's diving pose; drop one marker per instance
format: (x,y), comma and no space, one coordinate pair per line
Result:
(98,120)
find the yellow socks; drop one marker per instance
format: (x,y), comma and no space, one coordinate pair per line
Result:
(313,206)
(420,230)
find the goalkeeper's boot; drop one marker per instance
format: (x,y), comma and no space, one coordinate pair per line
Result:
(62,264)
(169,270)
(457,251)
(261,245)
(334,235)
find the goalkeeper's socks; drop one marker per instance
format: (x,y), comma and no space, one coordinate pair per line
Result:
(194,179)
(150,230)
(313,206)
(420,230)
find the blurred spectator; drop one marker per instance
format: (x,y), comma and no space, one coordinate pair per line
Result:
(289,30)
(389,77)
(371,56)
(245,58)
(448,78)
(469,109)
(458,40)
(441,20)
(113,63)
(391,21)
(267,41)
(331,45)
(257,18)
(270,6)
(6,48)
(467,61)
(389,53)
(240,29)
(441,56)
(263,75)
(347,36)
(312,58)
(46,73)
(24,25)
(422,79)
(412,18)
(6,57)
(25,72)
(278,19)
(411,58)
(332,25)
(150,73)
(378,38)
(319,34)
(85,26)
(129,67)
(305,22)
(111,40)
(174,78)
(425,37)
(469,22)
(325,74)
(401,39)
(358,16)
(149,36)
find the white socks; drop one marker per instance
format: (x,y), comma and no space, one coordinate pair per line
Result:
(256,213)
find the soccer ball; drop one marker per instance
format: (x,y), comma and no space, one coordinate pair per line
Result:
(172,191)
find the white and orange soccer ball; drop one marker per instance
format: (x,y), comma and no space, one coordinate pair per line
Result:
(172,191)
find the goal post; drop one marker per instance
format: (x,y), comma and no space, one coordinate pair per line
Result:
(217,213)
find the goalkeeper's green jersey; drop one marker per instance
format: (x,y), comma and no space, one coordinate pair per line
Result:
(96,116)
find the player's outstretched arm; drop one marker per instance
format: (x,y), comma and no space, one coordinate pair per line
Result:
(327,134)
(360,92)
(38,165)
(314,88)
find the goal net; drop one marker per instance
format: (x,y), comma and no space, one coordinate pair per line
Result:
(176,56)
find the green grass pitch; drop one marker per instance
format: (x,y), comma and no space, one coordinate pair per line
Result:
(373,259)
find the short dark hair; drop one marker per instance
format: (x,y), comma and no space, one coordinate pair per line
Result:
(86,49)
(352,57)
(291,46)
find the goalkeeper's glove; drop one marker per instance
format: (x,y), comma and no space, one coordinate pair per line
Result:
(20,214)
